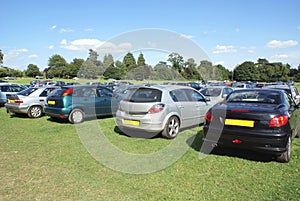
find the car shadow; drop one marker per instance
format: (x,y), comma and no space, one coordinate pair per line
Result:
(136,134)
(196,143)
(65,121)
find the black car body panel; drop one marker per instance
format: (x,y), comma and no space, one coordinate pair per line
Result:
(247,124)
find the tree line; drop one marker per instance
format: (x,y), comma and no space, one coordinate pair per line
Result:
(174,68)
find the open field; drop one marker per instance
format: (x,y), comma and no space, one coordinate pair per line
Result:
(45,160)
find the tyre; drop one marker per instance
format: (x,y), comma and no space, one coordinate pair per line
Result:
(35,111)
(171,129)
(286,156)
(76,116)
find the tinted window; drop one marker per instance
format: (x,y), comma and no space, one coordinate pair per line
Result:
(254,96)
(27,92)
(179,95)
(144,95)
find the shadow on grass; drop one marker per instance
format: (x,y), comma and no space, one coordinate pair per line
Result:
(195,142)
(137,134)
(65,121)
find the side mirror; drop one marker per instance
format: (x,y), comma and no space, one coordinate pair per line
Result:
(207,99)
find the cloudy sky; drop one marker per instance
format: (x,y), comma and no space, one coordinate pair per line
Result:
(229,32)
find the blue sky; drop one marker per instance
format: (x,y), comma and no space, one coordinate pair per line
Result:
(229,32)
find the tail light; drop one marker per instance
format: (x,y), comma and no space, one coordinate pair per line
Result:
(68,92)
(278,121)
(208,116)
(156,108)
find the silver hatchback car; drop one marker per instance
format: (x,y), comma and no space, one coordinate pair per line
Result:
(30,101)
(161,109)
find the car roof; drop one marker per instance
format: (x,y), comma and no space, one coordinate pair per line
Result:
(164,87)
(259,90)
(278,86)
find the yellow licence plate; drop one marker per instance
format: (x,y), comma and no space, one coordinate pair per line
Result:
(51,102)
(11,101)
(237,122)
(131,122)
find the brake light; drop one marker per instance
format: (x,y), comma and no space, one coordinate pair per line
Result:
(19,101)
(68,92)
(156,108)
(208,116)
(278,121)
(240,111)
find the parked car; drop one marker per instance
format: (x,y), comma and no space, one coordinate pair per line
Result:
(8,88)
(30,101)
(289,89)
(216,93)
(261,120)
(161,109)
(76,102)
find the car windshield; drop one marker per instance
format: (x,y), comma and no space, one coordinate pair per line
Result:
(211,92)
(28,91)
(144,95)
(254,96)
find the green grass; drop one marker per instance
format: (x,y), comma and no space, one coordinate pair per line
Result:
(45,160)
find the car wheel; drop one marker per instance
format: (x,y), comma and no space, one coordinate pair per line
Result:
(35,112)
(171,129)
(76,116)
(286,156)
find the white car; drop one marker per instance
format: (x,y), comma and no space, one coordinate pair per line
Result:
(161,109)
(30,101)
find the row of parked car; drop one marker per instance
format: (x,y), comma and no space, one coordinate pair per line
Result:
(264,120)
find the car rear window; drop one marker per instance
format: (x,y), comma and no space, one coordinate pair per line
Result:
(27,92)
(142,95)
(254,96)
(58,92)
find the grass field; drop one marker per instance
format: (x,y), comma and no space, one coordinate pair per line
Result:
(41,159)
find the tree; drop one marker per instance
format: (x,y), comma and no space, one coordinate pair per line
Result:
(32,70)
(129,62)
(177,61)
(88,70)
(190,71)
(1,57)
(57,66)
(246,71)
(224,73)
(141,60)
(208,71)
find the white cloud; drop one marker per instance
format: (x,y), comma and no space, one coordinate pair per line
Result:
(281,44)
(14,53)
(53,27)
(51,47)
(65,30)
(186,36)
(220,49)
(89,30)
(279,56)
(95,44)
(250,50)
(33,56)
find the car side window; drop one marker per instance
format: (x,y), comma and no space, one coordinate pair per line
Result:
(179,95)
(195,96)
(46,92)
(104,93)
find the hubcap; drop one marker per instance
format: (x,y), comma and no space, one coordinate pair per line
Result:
(35,112)
(173,127)
(77,116)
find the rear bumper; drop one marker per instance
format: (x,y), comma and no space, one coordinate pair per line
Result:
(62,113)
(16,108)
(270,143)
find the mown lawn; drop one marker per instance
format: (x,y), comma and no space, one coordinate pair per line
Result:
(41,159)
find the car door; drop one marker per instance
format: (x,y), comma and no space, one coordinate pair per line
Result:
(186,110)
(198,106)
(103,101)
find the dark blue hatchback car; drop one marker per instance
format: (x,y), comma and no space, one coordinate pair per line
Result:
(77,102)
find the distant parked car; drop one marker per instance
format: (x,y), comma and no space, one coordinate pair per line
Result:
(289,89)
(76,102)
(8,88)
(30,101)
(161,109)
(216,93)
(261,120)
